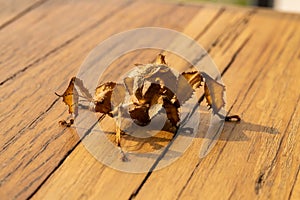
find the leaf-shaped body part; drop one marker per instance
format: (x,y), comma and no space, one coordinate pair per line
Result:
(150,86)
(102,98)
(118,95)
(129,81)
(214,93)
(70,97)
(194,78)
(153,73)
(139,110)
(186,84)
(85,92)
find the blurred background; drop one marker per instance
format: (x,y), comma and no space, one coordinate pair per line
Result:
(280,5)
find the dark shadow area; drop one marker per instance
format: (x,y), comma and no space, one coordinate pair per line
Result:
(235,131)
(232,131)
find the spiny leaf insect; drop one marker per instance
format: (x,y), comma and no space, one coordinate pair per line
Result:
(147,90)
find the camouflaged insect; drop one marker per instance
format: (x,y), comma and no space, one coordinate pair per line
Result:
(147,90)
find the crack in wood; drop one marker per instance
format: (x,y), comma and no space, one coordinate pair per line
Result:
(213,20)
(10,113)
(248,90)
(22,13)
(27,187)
(45,146)
(288,40)
(236,30)
(217,42)
(66,43)
(244,21)
(294,183)
(232,192)
(13,139)
(9,174)
(63,159)
(188,180)
(38,167)
(259,182)
(261,70)
(30,125)
(216,160)
(266,173)
(233,58)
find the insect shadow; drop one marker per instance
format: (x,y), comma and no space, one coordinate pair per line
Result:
(231,132)
(236,132)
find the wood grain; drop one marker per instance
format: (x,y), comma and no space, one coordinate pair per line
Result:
(255,50)
(43,23)
(11,11)
(39,159)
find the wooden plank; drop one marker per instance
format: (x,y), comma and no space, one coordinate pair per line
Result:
(11,11)
(109,177)
(229,160)
(43,24)
(41,144)
(295,191)
(257,158)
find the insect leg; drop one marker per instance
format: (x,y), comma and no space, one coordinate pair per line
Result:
(118,141)
(119,132)
(118,126)
(65,123)
(232,118)
(118,135)
(160,59)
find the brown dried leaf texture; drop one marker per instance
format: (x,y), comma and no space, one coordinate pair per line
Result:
(102,98)
(213,90)
(151,87)
(214,93)
(70,97)
(186,84)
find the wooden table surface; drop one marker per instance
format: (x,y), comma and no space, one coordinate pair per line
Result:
(43,43)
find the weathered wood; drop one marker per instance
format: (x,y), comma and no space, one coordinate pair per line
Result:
(257,53)
(36,135)
(257,167)
(11,11)
(61,22)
